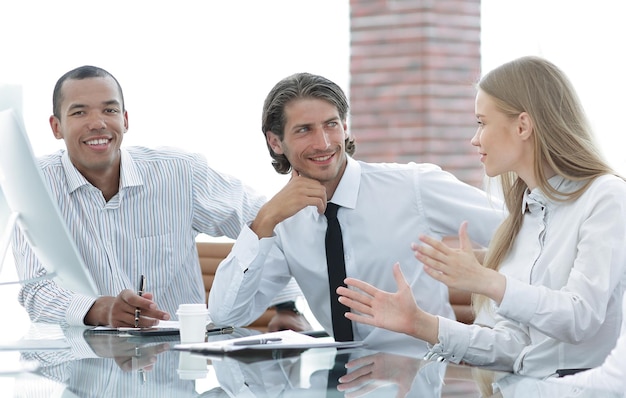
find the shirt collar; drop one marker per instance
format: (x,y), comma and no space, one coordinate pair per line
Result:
(75,180)
(129,173)
(536,197)
(348,189)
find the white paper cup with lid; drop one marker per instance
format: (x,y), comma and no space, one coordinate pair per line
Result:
(192,319)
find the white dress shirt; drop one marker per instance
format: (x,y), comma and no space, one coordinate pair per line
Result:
(384,207)
(611,375)
(565,276)
(166,198)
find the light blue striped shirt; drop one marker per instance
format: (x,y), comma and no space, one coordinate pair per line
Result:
(166,198)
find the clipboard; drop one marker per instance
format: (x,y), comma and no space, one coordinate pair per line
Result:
(149,332)
(164,328)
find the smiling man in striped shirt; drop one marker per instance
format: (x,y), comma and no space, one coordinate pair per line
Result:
(132,211)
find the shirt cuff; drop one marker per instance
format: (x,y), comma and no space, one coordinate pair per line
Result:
(454,339)
(249,247)
(78,308)
(517,292)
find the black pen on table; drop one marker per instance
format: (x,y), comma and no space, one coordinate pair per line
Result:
(142,287)
(221,330)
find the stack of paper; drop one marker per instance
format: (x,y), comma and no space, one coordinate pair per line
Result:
(283,340)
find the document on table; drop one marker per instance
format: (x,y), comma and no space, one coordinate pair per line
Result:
(283,340)
(161,325)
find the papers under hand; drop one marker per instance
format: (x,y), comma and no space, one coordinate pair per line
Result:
(283,340)
(160,325)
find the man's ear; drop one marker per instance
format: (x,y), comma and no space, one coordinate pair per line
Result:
(525,126)
(55,125)
(274,143)
(125,122)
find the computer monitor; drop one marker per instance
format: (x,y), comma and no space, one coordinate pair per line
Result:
(25,200)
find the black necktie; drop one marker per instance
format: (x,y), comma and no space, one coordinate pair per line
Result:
(342,327)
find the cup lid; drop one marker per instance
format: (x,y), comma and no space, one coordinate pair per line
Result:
(192,309)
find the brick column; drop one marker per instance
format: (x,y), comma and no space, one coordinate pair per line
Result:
(413,67)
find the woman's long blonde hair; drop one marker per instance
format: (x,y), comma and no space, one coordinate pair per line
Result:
(562,139)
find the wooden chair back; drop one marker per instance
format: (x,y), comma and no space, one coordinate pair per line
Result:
(211,254)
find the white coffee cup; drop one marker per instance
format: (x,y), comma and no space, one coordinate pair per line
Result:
(192,319)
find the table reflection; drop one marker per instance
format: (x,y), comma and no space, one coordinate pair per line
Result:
(369,373)
(110,365)
(514,386)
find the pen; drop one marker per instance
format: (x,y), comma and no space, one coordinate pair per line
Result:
(258,341)
(224,330)
(142,286)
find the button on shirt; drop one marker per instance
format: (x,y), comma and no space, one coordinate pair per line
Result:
(166,198)
(565,275)
(384,208)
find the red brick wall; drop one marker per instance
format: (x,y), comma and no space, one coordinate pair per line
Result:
(412,69)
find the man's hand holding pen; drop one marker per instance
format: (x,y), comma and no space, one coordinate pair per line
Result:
(120,311)
(133,310)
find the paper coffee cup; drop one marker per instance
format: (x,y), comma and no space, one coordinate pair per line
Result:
(192,319)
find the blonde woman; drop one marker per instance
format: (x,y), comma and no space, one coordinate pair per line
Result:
(549,294)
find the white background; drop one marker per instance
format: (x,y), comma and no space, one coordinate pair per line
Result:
(195,73)
(584,38)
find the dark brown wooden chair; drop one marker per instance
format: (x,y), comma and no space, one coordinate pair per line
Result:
(211,254)
(462,305)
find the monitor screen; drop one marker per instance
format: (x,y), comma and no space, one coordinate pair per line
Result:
(27,202)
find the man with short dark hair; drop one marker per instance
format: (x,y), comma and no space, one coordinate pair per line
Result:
(382,208)
(132,211)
